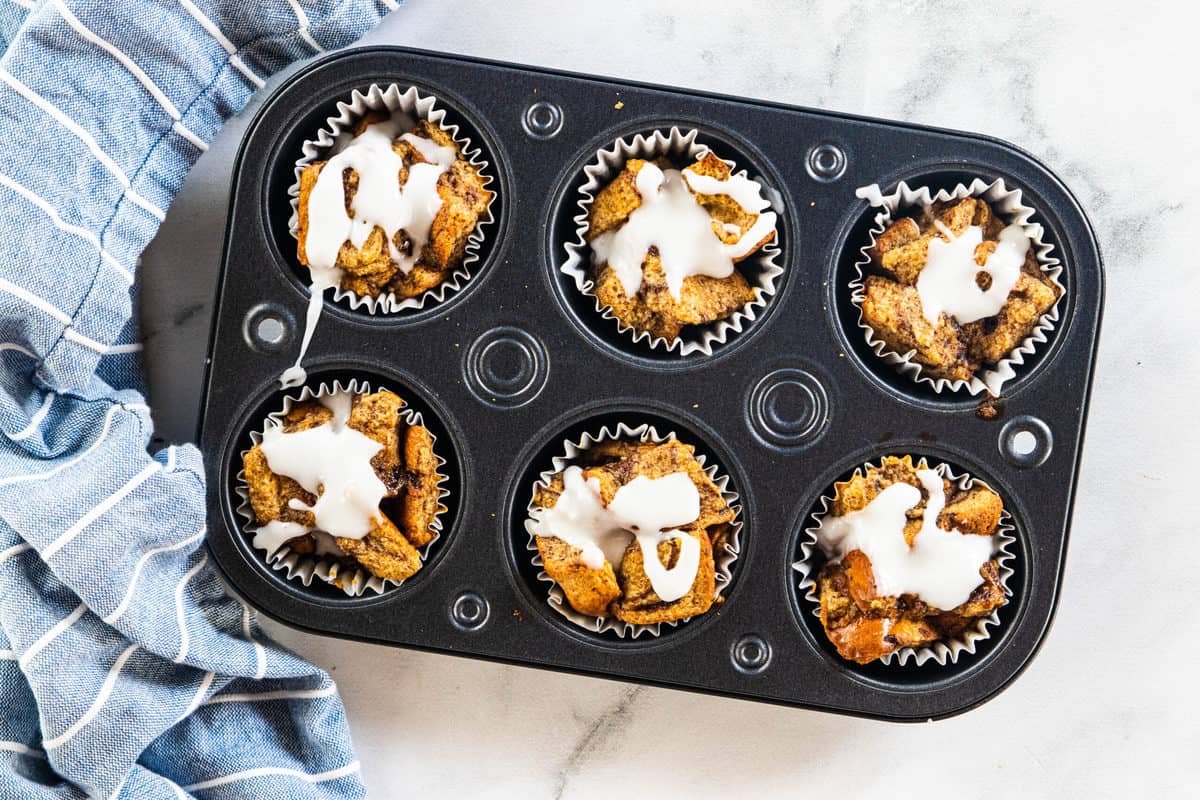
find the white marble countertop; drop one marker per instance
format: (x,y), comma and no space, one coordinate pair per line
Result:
(1101,93)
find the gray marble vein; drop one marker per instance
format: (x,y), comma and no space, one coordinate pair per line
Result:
(600,732)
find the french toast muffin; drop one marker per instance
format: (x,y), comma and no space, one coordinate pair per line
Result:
(392,209)
(619,503)
(349,478)
(675,244)
(956,287)
(910,559)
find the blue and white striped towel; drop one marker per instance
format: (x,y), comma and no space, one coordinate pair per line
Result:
(125,670)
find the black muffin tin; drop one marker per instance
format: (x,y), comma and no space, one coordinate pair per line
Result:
(517,361)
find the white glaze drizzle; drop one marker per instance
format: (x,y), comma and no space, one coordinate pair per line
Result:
(947,281)
(743,191)
(580,519)
(332,461)
(651,507)
(379,200)
(276,533)
(942,567)
(670,219)
(322,281)
(645,508)
(430,150)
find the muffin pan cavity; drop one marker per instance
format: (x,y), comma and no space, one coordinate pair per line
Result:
(519,360)
(271,400)
(631,424)
(681,142)
(909,673)
(312,120)
(848,266)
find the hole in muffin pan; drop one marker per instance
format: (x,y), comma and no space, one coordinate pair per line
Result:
(563,230)
(1026,441)
(550,445)
(856,234)
(270,400)
(281,175)
(909,676)
(268,328)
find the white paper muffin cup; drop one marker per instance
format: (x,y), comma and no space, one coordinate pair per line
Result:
(1008,205)
(338,131)
(723,560)
(946,650)
(354,581)
(761,269)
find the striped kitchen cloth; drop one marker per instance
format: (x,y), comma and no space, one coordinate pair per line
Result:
(125,669)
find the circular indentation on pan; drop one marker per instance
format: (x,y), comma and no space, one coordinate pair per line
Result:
(506,367)
(909,676)
(563,230)
(856,234)
(280,175)
(826,162)
(539,457)
(542,120)
(1026,441)
(268,328)
(751,654)
(469,611)
(789,407)
(270,400)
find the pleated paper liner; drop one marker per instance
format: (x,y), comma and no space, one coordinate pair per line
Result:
(944,651)
(723,559)
(339,130)
(1009,206)
(681,147)
(354,580)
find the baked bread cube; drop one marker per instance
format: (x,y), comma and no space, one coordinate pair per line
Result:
(384,551)
(589,591)
(990,340)
(640,605)
(893,310)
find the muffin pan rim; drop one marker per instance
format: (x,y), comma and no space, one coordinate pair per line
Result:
(503,641)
